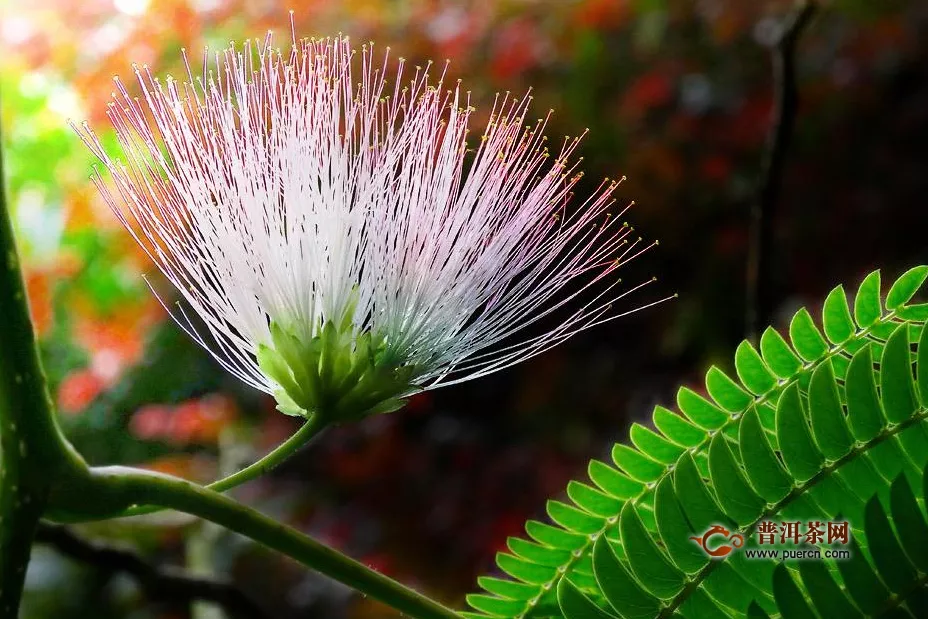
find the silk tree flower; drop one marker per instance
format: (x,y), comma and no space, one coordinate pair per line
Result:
(341,239)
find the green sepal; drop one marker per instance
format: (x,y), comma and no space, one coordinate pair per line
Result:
(287,406)
(337,373)
(272,363)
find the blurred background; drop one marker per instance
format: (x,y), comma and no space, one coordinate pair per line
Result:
(677,96)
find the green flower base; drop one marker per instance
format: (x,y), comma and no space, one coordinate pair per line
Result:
(339,373)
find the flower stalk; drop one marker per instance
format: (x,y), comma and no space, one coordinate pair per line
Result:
(307,432)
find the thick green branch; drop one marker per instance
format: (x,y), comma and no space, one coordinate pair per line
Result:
(20,510)
(33,448)
(110,487)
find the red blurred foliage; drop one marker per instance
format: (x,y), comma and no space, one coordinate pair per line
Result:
(353,463)
(602,14)
(184,466)
(151,422)
(273,427)
(40,282)
(748,128)
(506,525)
(379,562)
(716,168)
(38,289)
(199,421)
(516,48)
(78,390)
(650,90)
(419,404)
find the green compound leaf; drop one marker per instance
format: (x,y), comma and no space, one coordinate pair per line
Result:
(613,482)
(699,410)
(726,392)
(575,605)
(507,588)
(572,518)
(867,305)
(910,522)
(864,411)
(592,500)
(828,423)
(922,367)
(862,584)
(655,446)
(905,287)
(635,464)
(619,588)
(731,589)
(756,612)
(494,606)
(836,317)
(697,502)
(537,553)
(523,570)
(827,595)
(812,430)
(790,599)
(800,453)
(806,338)
(752,371)
(734,494)
(700,604)
(778,355)
(761,464)
(553,536)
(675,530)
(896,381)
(888,556)
(649,564)
(678,429)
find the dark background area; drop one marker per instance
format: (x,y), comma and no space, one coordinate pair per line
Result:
(677,96)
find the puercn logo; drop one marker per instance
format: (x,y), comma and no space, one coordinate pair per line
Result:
(736,541)
(815,542)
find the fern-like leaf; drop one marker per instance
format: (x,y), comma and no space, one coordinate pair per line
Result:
(830,424)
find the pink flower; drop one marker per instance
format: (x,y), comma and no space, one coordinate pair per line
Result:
(342,239)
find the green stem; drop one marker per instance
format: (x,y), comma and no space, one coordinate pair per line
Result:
(309,430)
(127,486)
(33,448)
